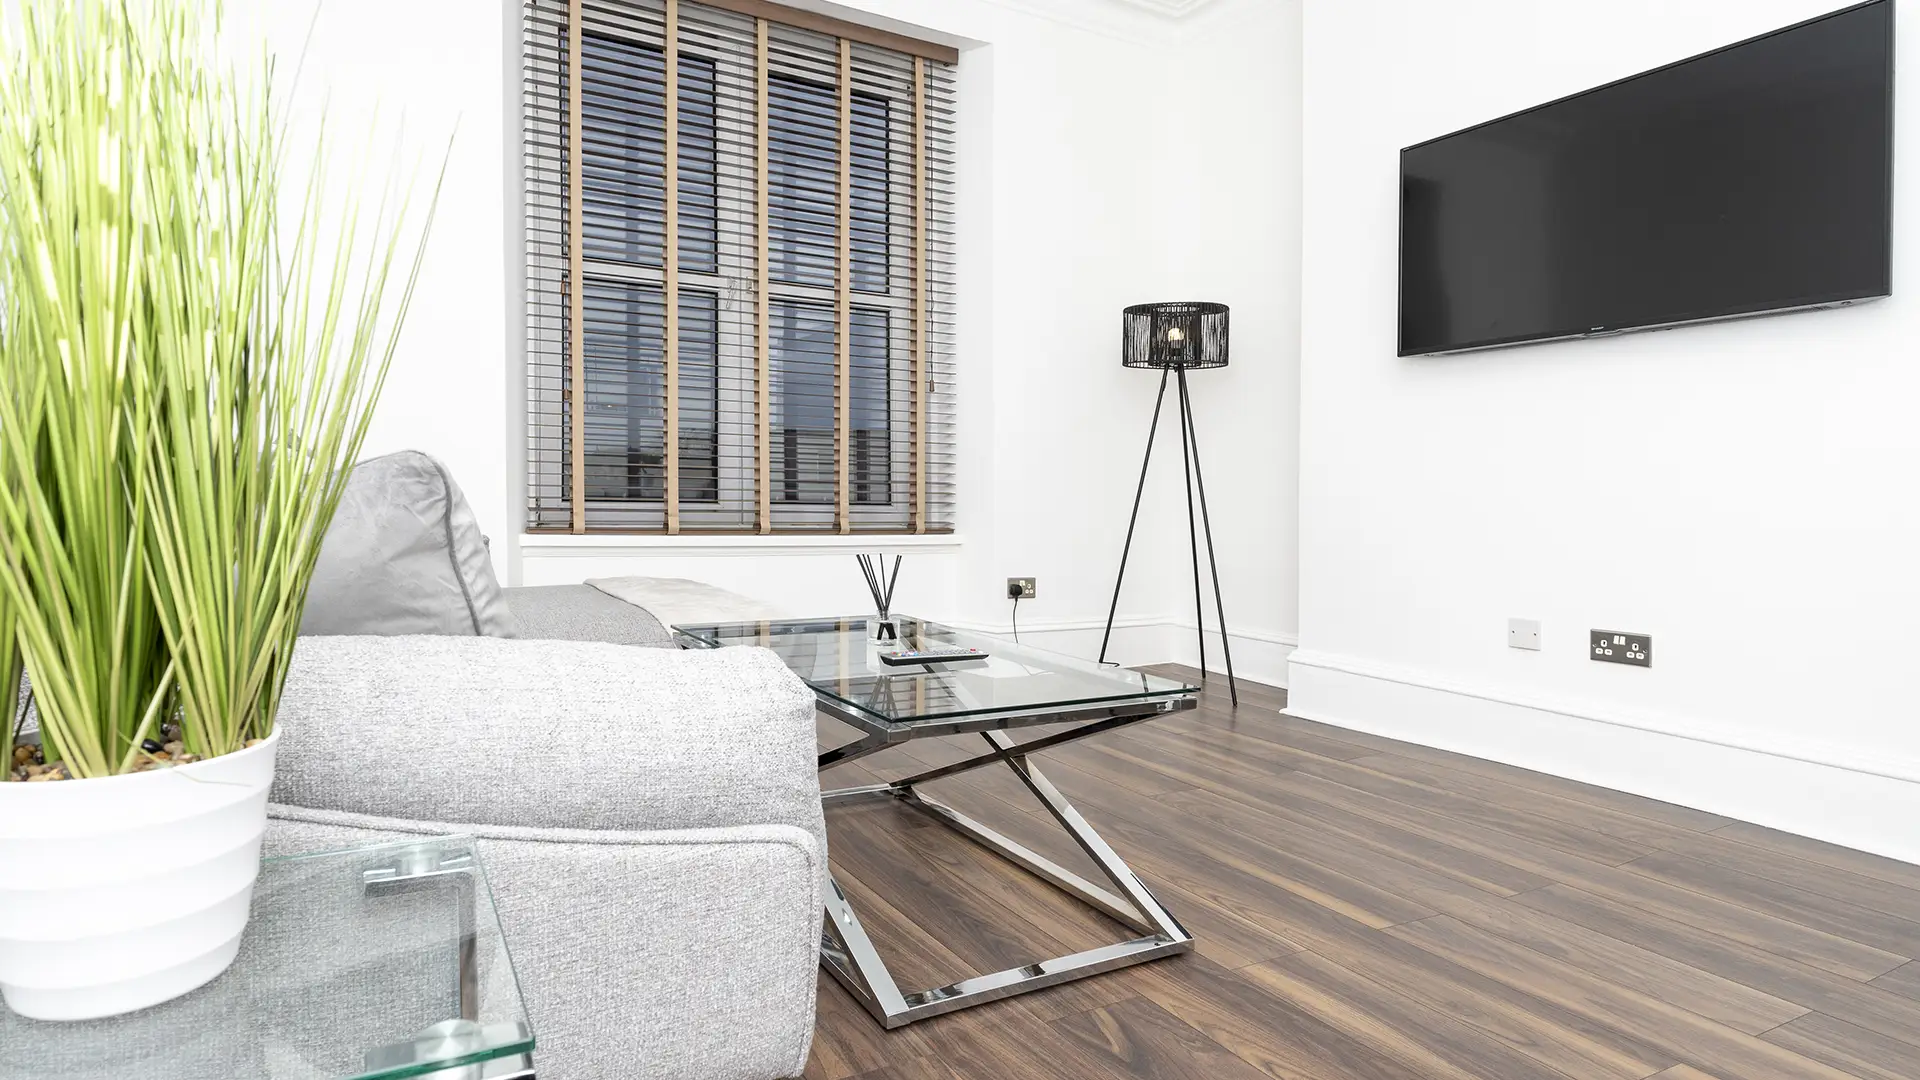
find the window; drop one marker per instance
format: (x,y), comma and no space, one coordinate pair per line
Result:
(739,308)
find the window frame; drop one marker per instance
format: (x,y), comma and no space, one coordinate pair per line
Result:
(889,358)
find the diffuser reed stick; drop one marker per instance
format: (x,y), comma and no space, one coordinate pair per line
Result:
(879,581)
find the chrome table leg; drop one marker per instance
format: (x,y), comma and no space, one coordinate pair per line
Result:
(849,954)
(448,1040)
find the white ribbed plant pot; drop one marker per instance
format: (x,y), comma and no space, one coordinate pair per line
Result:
(123,892)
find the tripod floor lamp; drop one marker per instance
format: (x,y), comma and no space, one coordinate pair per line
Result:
(1177,338)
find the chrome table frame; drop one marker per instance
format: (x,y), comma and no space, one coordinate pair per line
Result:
(849,954)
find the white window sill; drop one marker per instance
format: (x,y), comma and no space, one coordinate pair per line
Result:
(590,545)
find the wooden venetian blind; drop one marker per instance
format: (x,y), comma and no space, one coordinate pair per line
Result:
(739,271)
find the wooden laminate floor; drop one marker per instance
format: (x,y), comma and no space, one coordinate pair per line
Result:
(1373,910)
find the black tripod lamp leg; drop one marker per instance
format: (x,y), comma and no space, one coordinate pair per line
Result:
(1206,522)
(1193,533)
(1152,430)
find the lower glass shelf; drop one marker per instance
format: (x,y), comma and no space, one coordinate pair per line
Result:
(372,963)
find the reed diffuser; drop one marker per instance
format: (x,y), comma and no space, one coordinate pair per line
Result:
(881,627)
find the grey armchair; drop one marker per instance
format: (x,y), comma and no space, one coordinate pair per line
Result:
(649,819)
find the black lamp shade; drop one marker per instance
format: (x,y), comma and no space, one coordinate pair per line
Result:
(1182,335)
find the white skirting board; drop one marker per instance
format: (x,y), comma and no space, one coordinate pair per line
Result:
(1258,656)
(1824,792)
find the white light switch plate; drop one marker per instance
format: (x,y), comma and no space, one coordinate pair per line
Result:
(1524,634)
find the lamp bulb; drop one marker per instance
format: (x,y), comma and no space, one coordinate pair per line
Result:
(1174,335)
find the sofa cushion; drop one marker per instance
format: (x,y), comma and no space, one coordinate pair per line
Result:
(404,555)
(583,613)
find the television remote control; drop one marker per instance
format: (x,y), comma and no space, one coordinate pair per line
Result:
(913,657)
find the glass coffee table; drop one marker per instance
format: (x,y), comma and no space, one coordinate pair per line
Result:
(1015,687)
(373,963)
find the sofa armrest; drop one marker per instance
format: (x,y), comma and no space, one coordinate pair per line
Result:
(547,734)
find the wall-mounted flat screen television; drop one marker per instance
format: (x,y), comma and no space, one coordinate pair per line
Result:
(1753,179)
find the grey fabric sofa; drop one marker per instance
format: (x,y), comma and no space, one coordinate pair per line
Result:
(649,820)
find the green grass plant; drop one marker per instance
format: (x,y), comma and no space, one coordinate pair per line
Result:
(190,354)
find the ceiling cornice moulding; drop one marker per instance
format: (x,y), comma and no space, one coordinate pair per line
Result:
(1172,9)
(1150,22)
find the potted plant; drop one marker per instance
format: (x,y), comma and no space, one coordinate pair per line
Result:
(188,364)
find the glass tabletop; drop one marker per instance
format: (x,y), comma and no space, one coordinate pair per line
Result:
(373,963)
(834,657)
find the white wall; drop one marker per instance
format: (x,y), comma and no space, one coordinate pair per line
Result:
(1228,203)
(426,84)
(1121,164)
(1768,544)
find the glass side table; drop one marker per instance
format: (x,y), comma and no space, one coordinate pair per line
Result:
(373,963)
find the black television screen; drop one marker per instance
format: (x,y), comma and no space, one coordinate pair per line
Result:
(1755,178)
